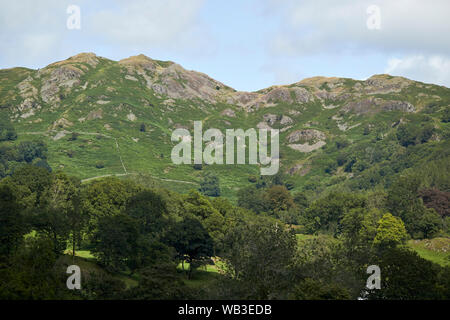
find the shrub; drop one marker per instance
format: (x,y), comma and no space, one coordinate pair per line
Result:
(99,165)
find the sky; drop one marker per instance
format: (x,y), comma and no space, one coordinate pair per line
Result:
(247,44)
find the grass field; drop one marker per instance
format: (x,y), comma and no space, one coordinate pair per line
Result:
(436,250)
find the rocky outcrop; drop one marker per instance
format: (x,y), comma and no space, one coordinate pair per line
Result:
(384,84)
(229,113)
(309,135)
(172,80)
(398,106)
(373,105)
(64,76)
(270,119)
(95,114)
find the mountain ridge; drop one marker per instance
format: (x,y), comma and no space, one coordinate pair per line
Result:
(139,101)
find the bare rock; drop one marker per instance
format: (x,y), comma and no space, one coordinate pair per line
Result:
(306,135)
(229,113)
(95,114)
(286,120)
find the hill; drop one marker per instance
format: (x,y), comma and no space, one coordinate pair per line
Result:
(100,117)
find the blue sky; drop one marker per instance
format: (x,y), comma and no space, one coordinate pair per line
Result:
(247,44)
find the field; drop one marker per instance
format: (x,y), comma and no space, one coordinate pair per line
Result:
(436,250)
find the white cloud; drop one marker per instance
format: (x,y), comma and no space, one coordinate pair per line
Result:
(31,30)
(431,69)
(309,27)
(158,23)
(34,33)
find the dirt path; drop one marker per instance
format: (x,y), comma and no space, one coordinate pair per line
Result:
(127,174)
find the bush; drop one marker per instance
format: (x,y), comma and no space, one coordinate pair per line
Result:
(74,136)
(210,186)
(7,131)
(99,165)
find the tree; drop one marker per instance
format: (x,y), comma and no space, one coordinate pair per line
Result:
(107,197)
(406,276)
(7,131)
(198,205)
(326,213)
(115,241)
(34,274)
(30,150)
(148,209)
(100,285)
(390,232)
(278,199)
(251,198)
(210,186)
(159,282)
(311,289)
(429,223)
(436,199)
(192,242)
(215,225)
(301,200)
(258,257)
(29,184)
(12,224)
(403,201)
(59,214)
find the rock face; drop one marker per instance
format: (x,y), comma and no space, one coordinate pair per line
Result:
(373,105)
(313,139)
(229,113)
(64,76)
(95,114)
(286,120)
(306,135)
(383,84)
(398,106)
(172,80)
(252,101)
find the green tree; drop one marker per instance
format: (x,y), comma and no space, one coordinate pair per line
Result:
(311,289)
(115,241)
(148,209)
(251,198)
(159,282)
(7,131)
(278,199)
(107,197)
(198,205)
(59,214)
(12,224)
(210,186)
(406,276)
(192,242)
(403,200)
(258,256)
(326,213)
(390,232)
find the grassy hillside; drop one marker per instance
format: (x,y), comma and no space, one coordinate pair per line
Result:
(101,117)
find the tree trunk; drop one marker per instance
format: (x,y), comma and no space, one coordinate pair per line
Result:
(73,248)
